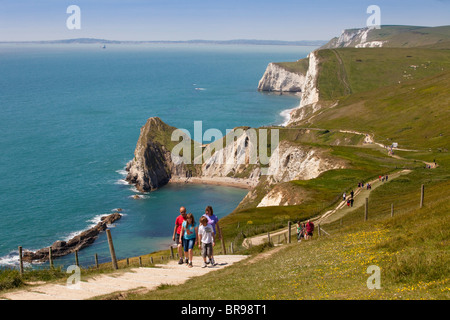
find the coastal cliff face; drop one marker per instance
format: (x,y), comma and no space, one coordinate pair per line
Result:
(279,79)
(152,166)
(310,93)
(235,158)
(356,38)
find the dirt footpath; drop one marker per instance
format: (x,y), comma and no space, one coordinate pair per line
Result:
(137,278)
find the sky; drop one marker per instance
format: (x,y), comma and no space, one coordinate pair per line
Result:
(143,20)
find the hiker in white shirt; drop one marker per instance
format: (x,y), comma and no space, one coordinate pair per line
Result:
(206,240)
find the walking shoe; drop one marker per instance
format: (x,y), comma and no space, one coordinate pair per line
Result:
(186,261)
(190,264)
(181,261)
(213,263)
(204,265)
(208,261)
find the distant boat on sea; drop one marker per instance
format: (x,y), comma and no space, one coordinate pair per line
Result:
(104,47)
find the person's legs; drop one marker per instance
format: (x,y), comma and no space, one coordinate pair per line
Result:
(191,251)
(186,249)
(179,248)
(204,253)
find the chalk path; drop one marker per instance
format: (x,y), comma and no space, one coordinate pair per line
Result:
(134,279)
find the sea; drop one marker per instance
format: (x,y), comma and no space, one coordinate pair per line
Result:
(70,117)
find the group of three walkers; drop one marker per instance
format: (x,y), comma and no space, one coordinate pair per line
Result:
(187,234)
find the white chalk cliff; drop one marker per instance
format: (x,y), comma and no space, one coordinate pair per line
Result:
(310,92)
(277,78)
(356,38)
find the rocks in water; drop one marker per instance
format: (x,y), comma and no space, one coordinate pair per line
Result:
(84,239)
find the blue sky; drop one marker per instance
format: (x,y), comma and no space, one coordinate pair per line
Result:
(208,19)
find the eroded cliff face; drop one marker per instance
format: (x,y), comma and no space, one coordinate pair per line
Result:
(295,162)
(356,38)
(279,79)
(152,166)
(309,101)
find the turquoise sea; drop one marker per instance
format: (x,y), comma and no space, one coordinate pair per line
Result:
(70,117)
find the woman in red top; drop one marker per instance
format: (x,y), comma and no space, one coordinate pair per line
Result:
(309,230)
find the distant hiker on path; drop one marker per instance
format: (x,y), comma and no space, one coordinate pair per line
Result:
(214,222)
(177,236)
(206,240)
(189,231)
(343,196)
(309,230)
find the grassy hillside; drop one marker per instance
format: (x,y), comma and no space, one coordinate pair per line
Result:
(410,36)
(350,70)
(414,114)
(299,67)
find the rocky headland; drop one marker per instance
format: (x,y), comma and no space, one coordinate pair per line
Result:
(63,248)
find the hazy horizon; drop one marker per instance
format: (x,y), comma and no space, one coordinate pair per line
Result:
(177,20)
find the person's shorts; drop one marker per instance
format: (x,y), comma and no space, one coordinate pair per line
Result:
(310,234)
(207,250)
(177,239)
(188,244)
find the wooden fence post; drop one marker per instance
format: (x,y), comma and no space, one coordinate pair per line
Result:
(318,230)
(268,236)
(366,210)
(140,261)
(50,257)
(96,261)
(76,258)
(20,260)
(111,250)
(289,232)
(422,193)
(171,252)
(224,250)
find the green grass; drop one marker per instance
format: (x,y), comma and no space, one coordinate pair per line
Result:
(299,67)
(354,70)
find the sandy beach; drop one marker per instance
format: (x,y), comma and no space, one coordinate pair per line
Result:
(220,181)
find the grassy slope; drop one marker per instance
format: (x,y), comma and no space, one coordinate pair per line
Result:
(299,67)
(410,36)
(350,70)
(391,99)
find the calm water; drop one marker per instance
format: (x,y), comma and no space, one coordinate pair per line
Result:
(70,119)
